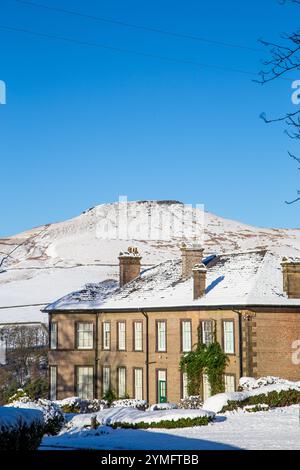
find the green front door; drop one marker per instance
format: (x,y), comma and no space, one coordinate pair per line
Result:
(162,391)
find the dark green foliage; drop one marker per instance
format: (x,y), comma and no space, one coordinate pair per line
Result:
(110,396)
(37,388)
(166,424)
(209,359)
(25,437)
(273,399)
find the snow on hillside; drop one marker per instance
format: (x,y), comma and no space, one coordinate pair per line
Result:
(50,261)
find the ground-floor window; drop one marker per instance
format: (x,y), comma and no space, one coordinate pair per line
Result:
(53,383)
(184,381)
(138,384)
(206,388)
(85,382)
(229,382)
(162,386)
(105,379)
(122,382)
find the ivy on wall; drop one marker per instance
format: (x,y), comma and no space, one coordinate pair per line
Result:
(205,359)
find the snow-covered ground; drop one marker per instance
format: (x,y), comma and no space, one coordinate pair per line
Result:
(275,429)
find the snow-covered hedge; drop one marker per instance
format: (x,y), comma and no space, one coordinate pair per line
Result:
(52,414)
(163,406)
(275,395)
(249,383)
(77,405)
(20,429)
(130,403)
(193,402)
(133,418)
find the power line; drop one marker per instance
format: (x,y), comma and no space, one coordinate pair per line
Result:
(139,27)
(126,51)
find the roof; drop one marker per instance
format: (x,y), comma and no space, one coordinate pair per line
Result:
(249,278)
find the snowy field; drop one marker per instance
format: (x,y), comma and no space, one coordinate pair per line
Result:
(275,429)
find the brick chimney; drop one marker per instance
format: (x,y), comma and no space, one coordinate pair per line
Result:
(129,265)
(291,278)
(190,256)
(199,280)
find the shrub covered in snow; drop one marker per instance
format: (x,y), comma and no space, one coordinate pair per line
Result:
(163,406)
(130,402)
(256,408)
(249,383)
(127,417)
(193,402)
(20,429)
(77,405)
(272,399)
(52,414)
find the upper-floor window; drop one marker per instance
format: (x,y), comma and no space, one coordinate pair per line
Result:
(121,336)
(208,331)
(138,336)
(85,335)
(161,335)
(186,336)
(106,335)
(53,335)
(228,335)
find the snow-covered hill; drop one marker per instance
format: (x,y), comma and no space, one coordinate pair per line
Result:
(48,262)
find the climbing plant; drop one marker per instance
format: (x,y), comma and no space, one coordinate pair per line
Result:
(209,359)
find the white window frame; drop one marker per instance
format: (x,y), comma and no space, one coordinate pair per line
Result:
(105,379)
(161,334)
(184,378)
(85,335)
(53,383)
(186,335)
(138,383)
(122,382)
(121,336)
(85,382)
(229,383)
(106,329)
(138,336)
(206,387)
(228,335)
(53,335)
(207,331)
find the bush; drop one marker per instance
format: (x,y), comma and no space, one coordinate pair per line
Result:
(110,396)
(256,408)
(76,405)
(193,402)
(166,424)
(131,403)
(52,414)
(20,430)
(272,399)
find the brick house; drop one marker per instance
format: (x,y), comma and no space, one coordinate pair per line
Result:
(130,336)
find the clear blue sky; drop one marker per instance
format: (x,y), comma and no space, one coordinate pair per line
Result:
(83,125)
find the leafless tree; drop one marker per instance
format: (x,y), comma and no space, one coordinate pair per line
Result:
(284,58)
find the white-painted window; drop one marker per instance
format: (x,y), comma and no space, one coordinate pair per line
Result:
(229,382)
(185,385)
(228,331)
(105,379)
(85,335)
(122,382)
(161,333)
(85,383)
(53,383)
(208,333)
(206,388)
(186,331)
(138,336)
(106,335)
(121,336)
(53,335)
(138,384)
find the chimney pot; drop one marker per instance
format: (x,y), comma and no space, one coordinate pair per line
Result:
(129,265)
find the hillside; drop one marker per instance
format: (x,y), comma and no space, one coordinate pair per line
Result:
(50,261)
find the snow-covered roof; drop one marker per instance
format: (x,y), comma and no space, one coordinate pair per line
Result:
(249,278)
